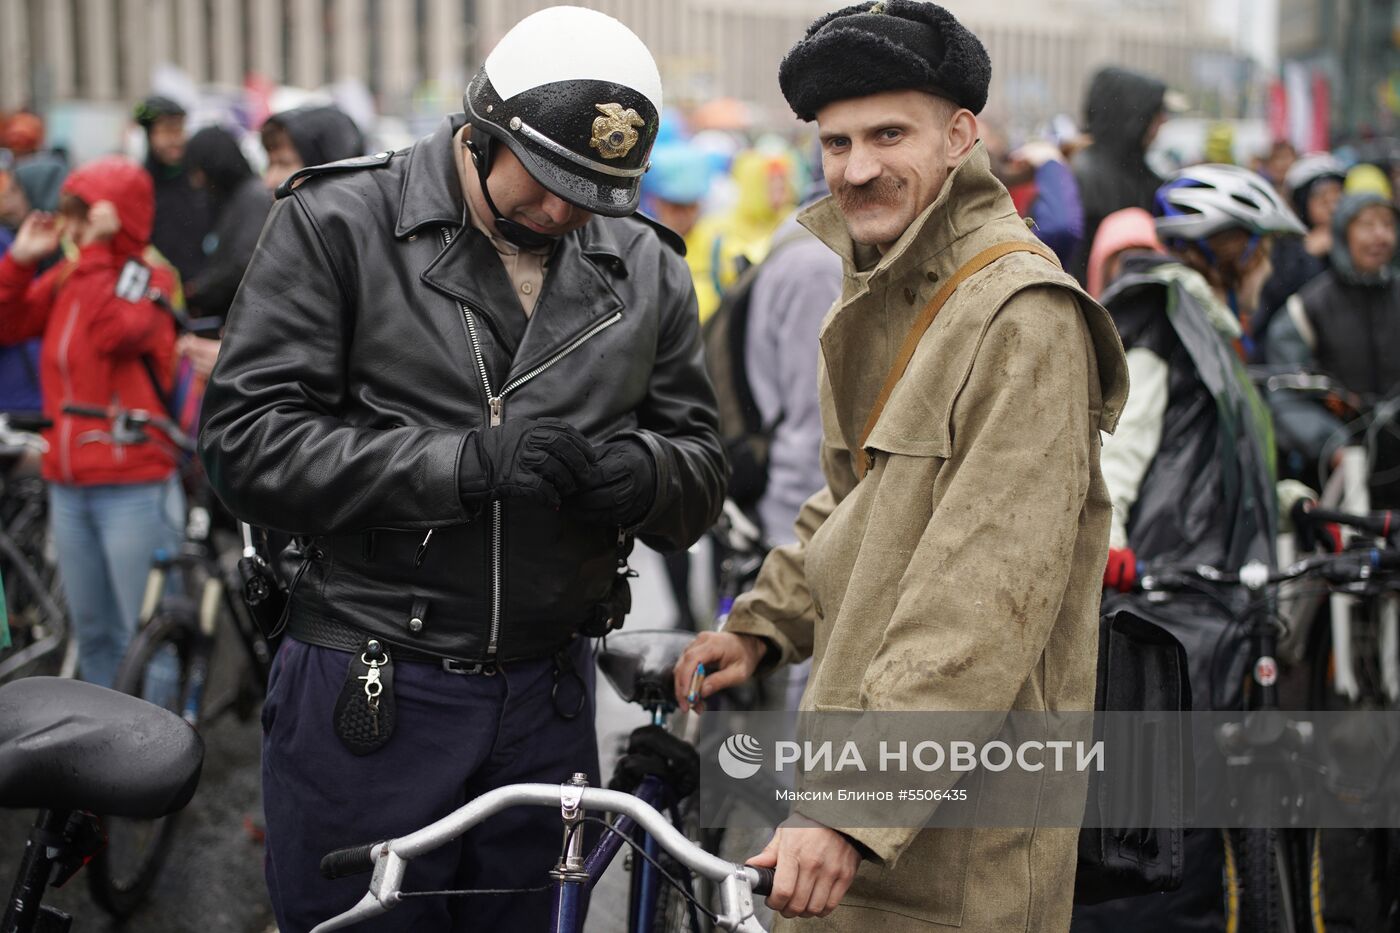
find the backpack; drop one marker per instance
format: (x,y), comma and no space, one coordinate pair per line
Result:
(741,427)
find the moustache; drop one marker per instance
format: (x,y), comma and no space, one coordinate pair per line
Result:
(876,192)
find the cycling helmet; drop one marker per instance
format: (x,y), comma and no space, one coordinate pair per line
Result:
(576,96)
(1203,200)
(1311,168)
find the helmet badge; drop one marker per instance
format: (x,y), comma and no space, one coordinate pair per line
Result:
(614,133)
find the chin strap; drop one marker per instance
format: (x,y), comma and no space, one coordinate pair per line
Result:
(481,146)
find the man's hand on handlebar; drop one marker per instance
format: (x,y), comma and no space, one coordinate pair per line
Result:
(729,659)
(814,867)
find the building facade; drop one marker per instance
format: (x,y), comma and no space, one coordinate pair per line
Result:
(1043,51)
(1356,45)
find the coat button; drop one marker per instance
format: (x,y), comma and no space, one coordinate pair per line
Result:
(415,624)
(910,295)
(931,275)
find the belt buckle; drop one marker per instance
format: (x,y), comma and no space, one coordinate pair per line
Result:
(453,666)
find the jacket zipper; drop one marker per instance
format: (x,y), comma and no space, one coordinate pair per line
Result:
(65,422)
(496,414)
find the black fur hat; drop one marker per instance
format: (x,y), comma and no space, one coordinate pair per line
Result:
(891,45)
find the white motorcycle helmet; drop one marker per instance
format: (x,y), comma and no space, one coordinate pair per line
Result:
(576,96)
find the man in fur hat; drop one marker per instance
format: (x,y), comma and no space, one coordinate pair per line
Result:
(953,561)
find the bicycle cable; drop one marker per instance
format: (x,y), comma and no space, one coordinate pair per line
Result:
(543,888)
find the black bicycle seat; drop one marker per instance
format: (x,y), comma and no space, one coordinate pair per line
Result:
(639,664)
(69,745)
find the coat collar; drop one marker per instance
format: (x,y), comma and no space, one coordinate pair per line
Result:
(432,196)
(577,292)
(971,196)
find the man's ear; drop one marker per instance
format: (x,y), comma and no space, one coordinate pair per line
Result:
(962,135)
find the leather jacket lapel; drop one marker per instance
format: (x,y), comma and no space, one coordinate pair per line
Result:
(577,295)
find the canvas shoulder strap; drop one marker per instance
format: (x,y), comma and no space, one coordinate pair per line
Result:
(921,325)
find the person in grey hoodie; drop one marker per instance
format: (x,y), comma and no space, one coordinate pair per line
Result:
(797,284)
(1123,112)
(1345,323)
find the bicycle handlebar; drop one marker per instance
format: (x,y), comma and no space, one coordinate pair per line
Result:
(1376,524)
(134,422)
(1347,567)
(21,431)
(389,859)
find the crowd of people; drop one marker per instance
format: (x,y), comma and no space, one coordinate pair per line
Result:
(1210,276)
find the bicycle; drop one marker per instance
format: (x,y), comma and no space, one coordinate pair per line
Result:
(188,607)
(1271,883)
(1361,640)
(68,748)
(34,602)
(639,666)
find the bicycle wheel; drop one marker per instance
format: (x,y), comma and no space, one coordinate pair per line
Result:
(156,668)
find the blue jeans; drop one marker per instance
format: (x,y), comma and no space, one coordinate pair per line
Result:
(105,537)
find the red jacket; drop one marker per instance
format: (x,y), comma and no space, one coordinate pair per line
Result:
(94,342)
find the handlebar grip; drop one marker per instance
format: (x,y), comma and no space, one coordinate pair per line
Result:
(764,885)
(25,422)
(86,411)
(352,860)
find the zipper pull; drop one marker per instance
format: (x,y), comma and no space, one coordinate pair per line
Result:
(497,404)
(422,551)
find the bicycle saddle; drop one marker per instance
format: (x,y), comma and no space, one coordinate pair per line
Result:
(68,745)
(639,664)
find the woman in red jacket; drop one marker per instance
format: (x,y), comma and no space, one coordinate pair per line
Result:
(111,506)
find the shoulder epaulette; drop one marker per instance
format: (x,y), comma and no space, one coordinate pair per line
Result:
(378,160)
(668,236)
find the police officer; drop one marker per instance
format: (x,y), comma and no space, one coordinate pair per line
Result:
(465,376)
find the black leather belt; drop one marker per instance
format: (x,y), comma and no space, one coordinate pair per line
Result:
(341,637)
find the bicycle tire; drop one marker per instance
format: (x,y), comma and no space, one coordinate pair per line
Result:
(119,879)
(1252,855)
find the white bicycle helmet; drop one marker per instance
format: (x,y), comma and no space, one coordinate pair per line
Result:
(1203,200)
(1312,167)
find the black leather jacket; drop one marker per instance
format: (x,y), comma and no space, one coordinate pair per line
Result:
(374,329)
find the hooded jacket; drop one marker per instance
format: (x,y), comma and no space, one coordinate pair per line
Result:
(1130,228)
(1112,171)
(240,203)
(963,571)
(321,133)
(720,248)
(94,342)
(1345,325)
(181,219)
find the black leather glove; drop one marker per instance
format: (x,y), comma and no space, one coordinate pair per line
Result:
(621,487)
(542,460)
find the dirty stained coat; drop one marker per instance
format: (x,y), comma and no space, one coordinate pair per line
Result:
(964,571)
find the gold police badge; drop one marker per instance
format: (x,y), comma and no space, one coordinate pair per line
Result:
(614,133)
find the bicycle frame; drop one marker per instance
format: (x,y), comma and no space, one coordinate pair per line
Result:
(215,594)
(575,873)
(58,638)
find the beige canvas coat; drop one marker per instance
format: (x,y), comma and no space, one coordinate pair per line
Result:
(964,571)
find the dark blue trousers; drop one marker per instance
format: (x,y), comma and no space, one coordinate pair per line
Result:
(456,737)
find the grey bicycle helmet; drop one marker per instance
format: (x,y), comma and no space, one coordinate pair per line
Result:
(1308,171)
(1203,200)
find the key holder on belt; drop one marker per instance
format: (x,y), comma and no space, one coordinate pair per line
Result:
(565,670)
